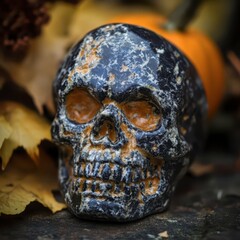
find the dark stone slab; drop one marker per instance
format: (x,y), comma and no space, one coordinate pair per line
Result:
(206,207)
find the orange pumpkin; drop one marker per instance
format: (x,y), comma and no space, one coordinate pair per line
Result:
(202,52)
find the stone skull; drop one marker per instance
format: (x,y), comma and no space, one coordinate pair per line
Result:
(130,118)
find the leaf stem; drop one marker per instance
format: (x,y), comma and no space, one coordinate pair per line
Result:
(182,15)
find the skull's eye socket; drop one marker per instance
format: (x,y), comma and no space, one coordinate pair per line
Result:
(142,114)
(81,106)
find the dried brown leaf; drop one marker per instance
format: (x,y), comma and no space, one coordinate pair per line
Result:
(163,234)
(38,69)
(21,127)
(23,182)
(15,201)
(199,169)
(5,130)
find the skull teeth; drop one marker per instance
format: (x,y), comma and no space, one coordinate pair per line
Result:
(116,173)
(135,160)
(127,175)
(88,170)
(111,189)
(95,169)
(111,180)
(107,174)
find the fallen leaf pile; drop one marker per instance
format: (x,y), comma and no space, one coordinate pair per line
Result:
(22,182)
(20,127)
(31,175)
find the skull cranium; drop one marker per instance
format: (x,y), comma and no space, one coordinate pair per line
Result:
(130,117)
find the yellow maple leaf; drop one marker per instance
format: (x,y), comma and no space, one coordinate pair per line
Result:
(21,127)
(15,202)
(23,182)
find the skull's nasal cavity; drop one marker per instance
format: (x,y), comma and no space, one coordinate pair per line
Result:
(106,129)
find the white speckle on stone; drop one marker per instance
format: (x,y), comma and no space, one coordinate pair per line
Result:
(166,203)
(179,80)
(176,70)
(176,54)
(219,194)
(172,220)
(160,67)
(160,51)
(173,134)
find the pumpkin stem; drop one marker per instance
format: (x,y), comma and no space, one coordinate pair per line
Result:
(182,15)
